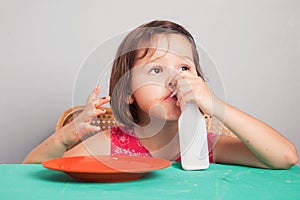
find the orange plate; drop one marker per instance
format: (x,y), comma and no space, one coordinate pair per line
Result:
(106,168)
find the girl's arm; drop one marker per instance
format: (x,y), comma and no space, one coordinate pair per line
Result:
(53,147)
(259,145)
(65,138)
(98,144)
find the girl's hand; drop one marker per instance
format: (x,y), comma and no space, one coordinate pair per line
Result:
(82,122)
(192,88)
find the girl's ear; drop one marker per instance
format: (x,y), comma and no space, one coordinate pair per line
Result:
(130,99)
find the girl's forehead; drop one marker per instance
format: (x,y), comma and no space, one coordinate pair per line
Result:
(162,44)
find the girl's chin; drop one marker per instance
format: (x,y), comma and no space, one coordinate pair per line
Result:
(169,116)
(165,112)
(173,115)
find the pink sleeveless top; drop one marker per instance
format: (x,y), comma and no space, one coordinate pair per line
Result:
(124,142)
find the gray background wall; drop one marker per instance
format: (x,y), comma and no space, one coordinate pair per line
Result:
(254,44)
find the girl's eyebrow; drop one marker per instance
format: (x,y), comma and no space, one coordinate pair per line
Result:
(152,61)
(188,58)
(184,57)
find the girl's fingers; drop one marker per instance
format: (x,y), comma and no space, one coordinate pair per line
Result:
(93,113)
(96,92)
(92,128)
(93,101)
(185,86)
(173,80)
(101,101)
(86,128)
(191,90)
(186,98)
(93,96)
(88,115)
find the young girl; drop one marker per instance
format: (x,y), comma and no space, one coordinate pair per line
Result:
(155,73)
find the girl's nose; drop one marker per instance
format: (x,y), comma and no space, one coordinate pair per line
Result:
(172,74)
(170,84)
(170,79)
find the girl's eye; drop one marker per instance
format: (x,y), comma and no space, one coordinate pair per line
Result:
(155,70)
(184,68)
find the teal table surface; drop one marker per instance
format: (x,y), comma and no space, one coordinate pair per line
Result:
(20,181)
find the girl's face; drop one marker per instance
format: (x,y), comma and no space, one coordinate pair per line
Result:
(151,75)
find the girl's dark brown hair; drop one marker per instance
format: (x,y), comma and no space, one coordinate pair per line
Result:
(127,53)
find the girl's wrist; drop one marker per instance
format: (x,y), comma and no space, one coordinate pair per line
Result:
(218,108)
(59,139)
(67,135)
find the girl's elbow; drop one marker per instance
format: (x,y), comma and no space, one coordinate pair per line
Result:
(28,162)
(290,159)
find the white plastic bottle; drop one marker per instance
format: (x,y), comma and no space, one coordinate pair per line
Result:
(193,139)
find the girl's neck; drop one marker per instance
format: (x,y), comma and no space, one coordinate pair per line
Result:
(161,139)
